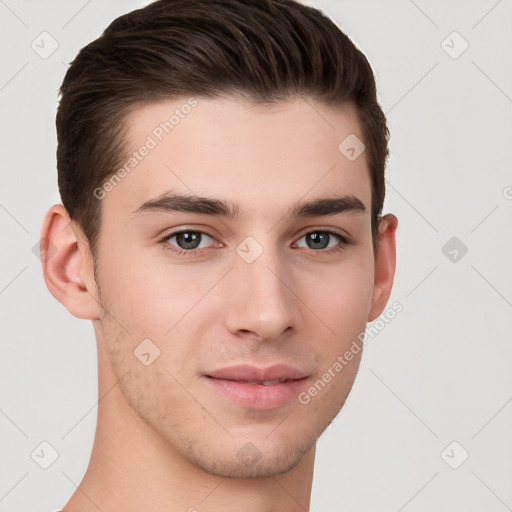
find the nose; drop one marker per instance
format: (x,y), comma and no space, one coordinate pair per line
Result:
(260,302)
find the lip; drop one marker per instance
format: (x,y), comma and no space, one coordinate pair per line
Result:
(238,385)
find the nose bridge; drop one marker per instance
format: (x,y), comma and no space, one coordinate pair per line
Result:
(260,292)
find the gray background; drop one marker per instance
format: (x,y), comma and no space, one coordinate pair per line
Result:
(438,373)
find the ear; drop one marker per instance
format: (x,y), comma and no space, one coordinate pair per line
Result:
(68,265)
(385,263)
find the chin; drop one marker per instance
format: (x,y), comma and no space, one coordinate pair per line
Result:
(250,462)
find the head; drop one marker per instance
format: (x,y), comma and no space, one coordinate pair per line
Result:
(243,113)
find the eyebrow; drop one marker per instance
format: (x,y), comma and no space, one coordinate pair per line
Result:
(172,202)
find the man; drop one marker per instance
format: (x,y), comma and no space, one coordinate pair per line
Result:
(221,167)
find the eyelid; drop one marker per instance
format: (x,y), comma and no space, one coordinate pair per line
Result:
(177,231)
(334,231)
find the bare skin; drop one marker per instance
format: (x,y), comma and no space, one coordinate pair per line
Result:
(166,439)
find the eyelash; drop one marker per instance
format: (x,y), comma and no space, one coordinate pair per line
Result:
(344,242)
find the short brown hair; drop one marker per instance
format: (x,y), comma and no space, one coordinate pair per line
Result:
(263,50)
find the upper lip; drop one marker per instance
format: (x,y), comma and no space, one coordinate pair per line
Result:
(249,373)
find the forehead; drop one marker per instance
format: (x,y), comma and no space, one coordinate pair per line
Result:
(263,157)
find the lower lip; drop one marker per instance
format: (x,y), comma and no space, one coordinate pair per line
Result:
(258,396)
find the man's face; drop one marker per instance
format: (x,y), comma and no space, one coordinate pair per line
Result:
(263,288)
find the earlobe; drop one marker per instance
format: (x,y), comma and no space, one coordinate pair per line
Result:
(67,264)
(385,264)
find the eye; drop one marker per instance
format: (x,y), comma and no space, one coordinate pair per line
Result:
(324,239)
(186,241)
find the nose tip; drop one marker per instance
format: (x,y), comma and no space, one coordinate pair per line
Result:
(261,303)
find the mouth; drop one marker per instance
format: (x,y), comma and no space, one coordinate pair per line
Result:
(266,382)
(258,388)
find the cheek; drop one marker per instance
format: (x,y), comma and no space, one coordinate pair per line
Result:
(342,295)
(342,303)
(153,296)
(160,299)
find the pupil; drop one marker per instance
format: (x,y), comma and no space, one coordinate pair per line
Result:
(188,239)
(318,240)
